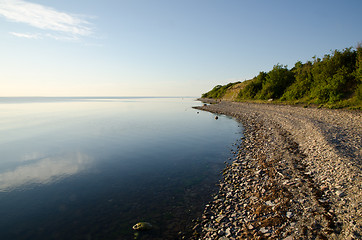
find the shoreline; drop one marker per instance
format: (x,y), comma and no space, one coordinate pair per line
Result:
(297,175)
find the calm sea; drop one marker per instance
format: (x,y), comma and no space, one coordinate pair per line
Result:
(91,168)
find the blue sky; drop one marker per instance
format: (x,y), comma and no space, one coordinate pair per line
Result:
(161,47)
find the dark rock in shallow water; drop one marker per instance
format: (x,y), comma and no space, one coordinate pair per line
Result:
(142,226)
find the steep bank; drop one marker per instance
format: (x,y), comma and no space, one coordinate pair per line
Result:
(332,82)
(297,175)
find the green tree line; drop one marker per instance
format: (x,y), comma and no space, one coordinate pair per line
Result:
(334,80)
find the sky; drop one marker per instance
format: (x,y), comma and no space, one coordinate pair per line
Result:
(161,47)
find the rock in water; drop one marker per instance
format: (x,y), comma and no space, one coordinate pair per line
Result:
(141,226)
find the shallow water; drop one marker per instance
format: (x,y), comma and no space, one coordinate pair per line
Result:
(90,168)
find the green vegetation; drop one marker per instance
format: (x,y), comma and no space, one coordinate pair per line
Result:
(218,91)
(334,81)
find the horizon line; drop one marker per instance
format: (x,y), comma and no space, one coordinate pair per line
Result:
(98,96)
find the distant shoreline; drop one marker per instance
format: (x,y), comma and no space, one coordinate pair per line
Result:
(90,97)
(297,175)
(78,99)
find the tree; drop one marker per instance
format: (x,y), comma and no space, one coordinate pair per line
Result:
(358,72)
(303,81)
(334,77)
(253,88)
(277,80)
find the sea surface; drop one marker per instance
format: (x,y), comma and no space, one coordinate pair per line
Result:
(91,168)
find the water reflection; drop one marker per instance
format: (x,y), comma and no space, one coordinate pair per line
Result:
(91,169)
(44,170)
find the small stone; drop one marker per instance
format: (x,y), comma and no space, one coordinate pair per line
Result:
(324,188)
(263,230)
(224,238)
(227,232)
(340,193)
(259,172)
(219,218)
(289,214)
(270,203)
(288,238)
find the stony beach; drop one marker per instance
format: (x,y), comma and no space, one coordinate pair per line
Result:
(296,175)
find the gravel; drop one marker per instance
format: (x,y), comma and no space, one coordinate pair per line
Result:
(296,175)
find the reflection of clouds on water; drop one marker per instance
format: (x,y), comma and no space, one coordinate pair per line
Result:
(32,156)
(43,171)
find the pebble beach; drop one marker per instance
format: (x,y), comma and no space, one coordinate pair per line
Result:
(295,175)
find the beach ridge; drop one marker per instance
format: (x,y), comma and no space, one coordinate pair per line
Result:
(296,175)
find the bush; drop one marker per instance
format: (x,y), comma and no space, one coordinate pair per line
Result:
(253,88)
(303,80)
(276,82)
(334,76)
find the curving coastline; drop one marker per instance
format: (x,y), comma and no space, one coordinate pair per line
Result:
(297,175)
